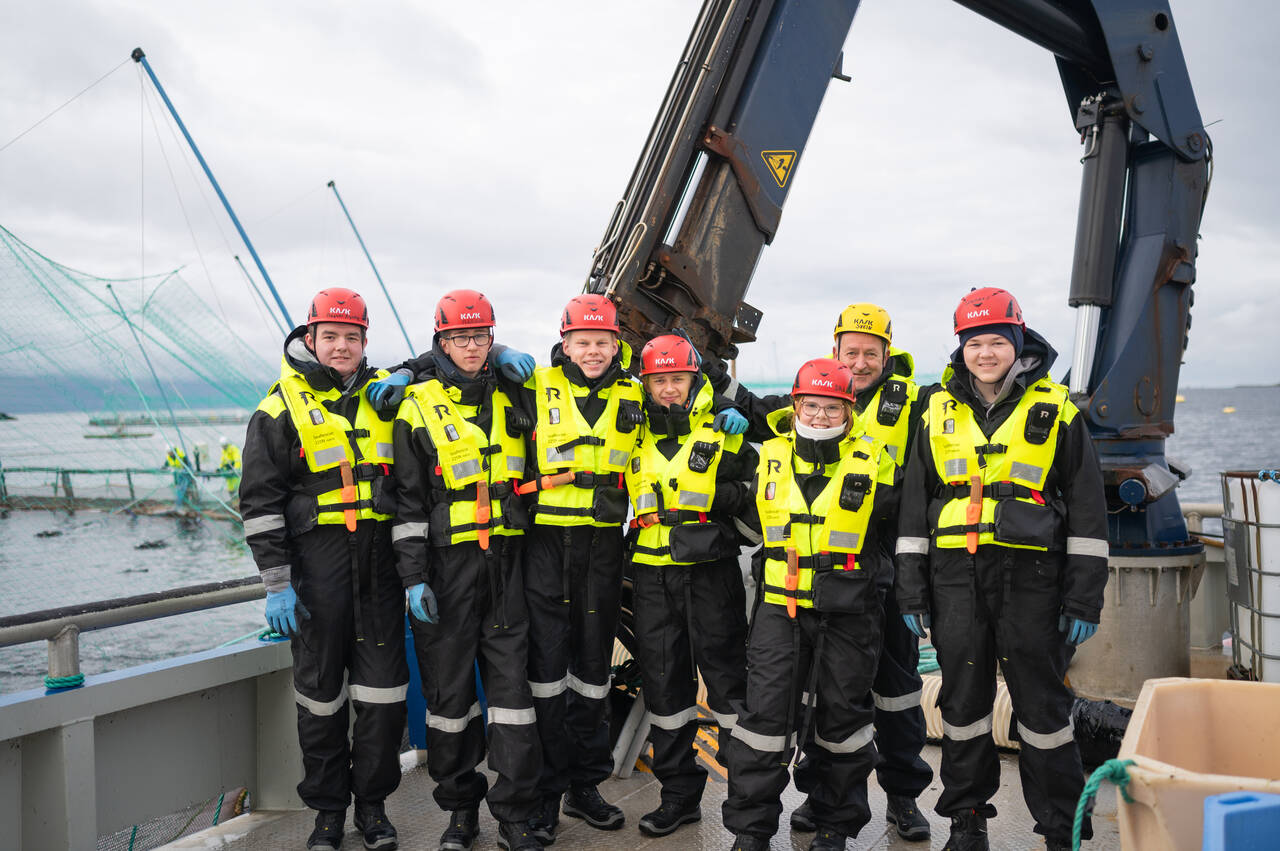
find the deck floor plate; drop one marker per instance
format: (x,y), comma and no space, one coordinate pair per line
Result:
(420,823)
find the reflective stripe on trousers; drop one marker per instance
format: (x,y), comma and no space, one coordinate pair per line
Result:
(896,704)
(453,725)
(855,741)
(965,732)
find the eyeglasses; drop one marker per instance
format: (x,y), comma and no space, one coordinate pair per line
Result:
(461,340)
(812,409)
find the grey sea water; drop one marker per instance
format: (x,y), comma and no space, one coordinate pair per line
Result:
(95,556)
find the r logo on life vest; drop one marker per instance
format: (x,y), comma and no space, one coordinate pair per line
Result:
(553,393)
(553,415)
(779,164)
(948,405)
(440,410)
(773,466)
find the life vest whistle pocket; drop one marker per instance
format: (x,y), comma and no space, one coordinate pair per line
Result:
(853,490)
(701,454)
(1040,420)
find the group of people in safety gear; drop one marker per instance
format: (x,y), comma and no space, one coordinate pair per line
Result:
(505,505)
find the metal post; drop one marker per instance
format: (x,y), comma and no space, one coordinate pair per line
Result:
(369,257)
(141,58)
(129,478)
(64,653)
(67,492)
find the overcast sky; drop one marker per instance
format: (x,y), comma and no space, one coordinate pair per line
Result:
(484,145)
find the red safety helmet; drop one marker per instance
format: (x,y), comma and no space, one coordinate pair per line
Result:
(824,377)
(338,304)
(988,306)
(589,312)
(668,353)
(463,309)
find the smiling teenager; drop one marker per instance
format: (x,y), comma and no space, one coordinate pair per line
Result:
(317,505)
(1002,550)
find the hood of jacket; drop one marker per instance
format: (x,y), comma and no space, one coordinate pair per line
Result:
(677,420)
(299,357)
(1031,365)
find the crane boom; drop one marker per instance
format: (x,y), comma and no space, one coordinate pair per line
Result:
(707,194)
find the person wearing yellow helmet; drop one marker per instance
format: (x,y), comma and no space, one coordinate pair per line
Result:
(886,407)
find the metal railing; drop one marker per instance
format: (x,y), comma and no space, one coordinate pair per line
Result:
(61,627)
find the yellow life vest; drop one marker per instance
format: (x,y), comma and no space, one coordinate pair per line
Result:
(887,417)
(330,440)
(596,455)
(828,534)
(669,493)
(230,457)
(467,457)
(176,459)
(1012,467)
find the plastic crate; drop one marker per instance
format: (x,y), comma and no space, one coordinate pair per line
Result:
(1190,740)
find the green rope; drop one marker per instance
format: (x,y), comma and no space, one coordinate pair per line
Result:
(928,660)
(217,813)
(259,633)
(1114,770)
(133,836)
(72,681)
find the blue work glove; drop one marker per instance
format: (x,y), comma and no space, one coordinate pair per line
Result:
(516,366)
(422,602)
(1078,631)
(729,421)
(387,394)
(283,609)
(917,624)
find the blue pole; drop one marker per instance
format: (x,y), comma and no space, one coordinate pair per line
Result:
(261,297)
(140,57)
(394,312)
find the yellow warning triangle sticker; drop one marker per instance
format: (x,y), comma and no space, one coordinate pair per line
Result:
(779,163)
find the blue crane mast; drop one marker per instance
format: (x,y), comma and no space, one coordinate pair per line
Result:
(707,193)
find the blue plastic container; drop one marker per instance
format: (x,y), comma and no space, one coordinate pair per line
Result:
(1241,821)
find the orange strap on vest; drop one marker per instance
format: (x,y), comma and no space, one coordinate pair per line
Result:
(483,513)
(792,580)
(973,513)
(348,494)
(546,483)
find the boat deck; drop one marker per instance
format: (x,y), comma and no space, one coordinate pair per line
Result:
(420,822)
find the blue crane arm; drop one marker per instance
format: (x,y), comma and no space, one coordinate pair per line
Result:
(708,190)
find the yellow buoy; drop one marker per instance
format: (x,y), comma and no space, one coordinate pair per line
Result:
(1179,398)
(1228,410)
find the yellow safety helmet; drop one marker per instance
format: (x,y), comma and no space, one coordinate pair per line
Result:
(865,319)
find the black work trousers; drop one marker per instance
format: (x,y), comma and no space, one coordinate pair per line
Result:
(844,648)
(482,620)
(900,728)
(351,645)
(689,619)
(573,588)
(1004,604)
